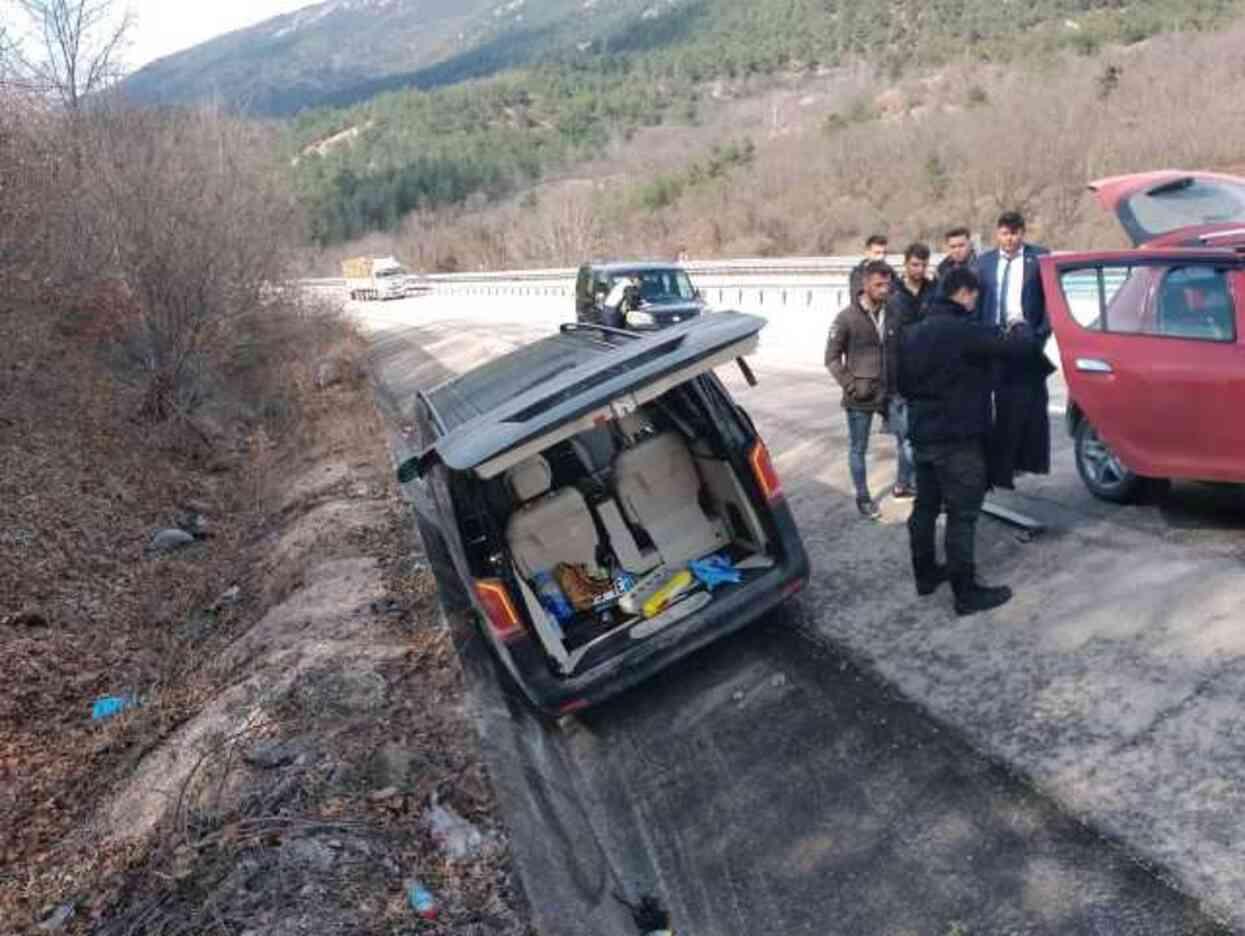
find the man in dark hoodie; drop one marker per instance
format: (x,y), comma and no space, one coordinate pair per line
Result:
(958,244)
(946,374)
(910,295)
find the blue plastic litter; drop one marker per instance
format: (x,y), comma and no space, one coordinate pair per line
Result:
(715,570)
(421,899)
(552,599)
(108,706)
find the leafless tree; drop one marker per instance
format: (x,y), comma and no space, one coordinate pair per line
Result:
(76,48)
(8,64)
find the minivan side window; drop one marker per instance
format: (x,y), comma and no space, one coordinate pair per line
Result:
(1190,302)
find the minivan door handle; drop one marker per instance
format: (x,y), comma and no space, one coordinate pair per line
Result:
(1089,365)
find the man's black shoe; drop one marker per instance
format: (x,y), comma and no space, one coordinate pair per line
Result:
(868,508)
(902,492)
(927,582)
(971,596)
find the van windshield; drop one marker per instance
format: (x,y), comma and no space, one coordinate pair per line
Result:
(661,286)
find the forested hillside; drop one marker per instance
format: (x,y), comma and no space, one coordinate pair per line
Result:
(590,79)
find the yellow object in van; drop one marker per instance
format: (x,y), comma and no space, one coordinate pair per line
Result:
(678,584)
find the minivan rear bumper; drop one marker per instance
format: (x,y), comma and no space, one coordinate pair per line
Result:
(727,613)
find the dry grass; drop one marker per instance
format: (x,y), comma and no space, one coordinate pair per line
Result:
(153,365)
(142,821)
(83,612)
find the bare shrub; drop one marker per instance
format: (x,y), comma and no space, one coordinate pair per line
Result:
(187,208)
(31,168)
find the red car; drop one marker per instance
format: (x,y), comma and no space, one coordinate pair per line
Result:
(1151,338)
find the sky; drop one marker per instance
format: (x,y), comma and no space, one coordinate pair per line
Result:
(167,26)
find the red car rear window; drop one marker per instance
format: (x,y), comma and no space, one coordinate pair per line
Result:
(1181,203)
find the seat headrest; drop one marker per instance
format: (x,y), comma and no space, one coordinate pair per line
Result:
(530,478)
(595,448)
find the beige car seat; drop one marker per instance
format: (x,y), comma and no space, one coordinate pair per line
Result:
(659,489)
(550,526)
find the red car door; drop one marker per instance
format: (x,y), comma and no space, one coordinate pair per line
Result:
(1151,343)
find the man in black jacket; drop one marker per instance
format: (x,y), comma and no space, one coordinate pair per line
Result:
(875,252)
(958,245)
(946,374)
(909,298)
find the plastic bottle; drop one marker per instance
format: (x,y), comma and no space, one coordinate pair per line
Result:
(421,899)
(552,599)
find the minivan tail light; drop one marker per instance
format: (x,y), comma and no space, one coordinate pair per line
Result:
(499,610)
(574,705)
(763,469)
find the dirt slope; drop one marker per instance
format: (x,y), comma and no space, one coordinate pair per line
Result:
(292,736)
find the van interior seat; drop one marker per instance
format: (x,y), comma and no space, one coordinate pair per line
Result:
(659,489)
(550,526)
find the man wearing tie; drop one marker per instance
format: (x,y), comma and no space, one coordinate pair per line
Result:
(1011,286)
(1013,301)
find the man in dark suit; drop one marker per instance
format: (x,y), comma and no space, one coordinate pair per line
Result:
(1011,286)
(1012,300)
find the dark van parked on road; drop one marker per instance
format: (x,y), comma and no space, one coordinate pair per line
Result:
(663,295)
(583,489)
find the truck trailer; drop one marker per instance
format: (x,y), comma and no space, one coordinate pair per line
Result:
(377,278)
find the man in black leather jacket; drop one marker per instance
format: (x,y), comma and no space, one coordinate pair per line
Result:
(946,375)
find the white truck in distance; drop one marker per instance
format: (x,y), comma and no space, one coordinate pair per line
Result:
(378,278)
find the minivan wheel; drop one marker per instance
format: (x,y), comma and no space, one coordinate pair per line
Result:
(1101,469)
(453,594)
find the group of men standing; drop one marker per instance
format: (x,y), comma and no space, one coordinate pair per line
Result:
(951,361)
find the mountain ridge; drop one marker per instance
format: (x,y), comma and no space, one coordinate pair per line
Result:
(339,52)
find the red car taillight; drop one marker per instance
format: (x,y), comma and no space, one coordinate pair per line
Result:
(499,610)
(765,474)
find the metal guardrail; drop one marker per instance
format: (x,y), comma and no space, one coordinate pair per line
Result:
(820,267)
(760,284)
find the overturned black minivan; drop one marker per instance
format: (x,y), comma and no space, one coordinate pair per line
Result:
(572,484)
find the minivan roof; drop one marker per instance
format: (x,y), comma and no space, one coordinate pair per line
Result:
(554,381)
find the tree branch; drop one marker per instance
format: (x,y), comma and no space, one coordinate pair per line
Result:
(81,45)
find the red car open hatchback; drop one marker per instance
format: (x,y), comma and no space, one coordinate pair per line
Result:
(1151,338)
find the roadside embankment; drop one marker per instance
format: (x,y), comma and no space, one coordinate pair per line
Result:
(291,752)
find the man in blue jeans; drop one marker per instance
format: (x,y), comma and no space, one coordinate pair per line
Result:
(856,360)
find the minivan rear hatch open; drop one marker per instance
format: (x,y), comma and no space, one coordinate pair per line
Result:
(495,416)
(1171,207)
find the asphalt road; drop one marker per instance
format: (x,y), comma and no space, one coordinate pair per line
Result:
(777,782)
